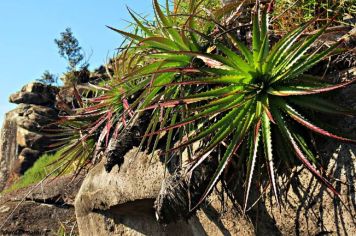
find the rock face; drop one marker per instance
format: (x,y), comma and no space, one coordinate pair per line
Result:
(8,148)
(22,138)
(35,93)
(46,210)
(311,209)
(121,203)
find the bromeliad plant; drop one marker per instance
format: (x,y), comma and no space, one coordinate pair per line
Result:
(249,103)
(251,98)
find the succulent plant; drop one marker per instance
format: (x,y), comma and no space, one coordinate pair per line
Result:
(251,103)
(246,98)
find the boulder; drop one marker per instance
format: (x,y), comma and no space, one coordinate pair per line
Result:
(22,139)
(26,159)
(36,87)
(35,117)
(29,98)
(121,203)
(35,93)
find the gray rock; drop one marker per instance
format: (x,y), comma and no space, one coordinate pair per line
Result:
(37,87)
(8,148)
(35,117)
(121,203)
(26,159)
(44,111)
(138,178)
(29,98)
(23,129)
(35,93)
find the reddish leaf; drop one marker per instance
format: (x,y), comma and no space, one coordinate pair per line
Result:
(77,96)
(297,117)
(108,127)
(305,161)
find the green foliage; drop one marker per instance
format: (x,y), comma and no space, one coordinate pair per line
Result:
(249,104)
(237,96)
(41,168)
(69,49)
(48,78)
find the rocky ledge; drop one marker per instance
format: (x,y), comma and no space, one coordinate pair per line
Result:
(122,202)
(22,137)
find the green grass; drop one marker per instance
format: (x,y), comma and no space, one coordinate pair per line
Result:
(41,168)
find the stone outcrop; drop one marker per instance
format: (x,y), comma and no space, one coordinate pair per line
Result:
(23,139)
(121,203)
(8,148)
(35,93)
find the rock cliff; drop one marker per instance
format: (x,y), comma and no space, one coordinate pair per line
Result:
(121,202)
(22,137)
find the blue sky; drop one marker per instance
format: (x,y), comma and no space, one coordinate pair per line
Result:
(28,29)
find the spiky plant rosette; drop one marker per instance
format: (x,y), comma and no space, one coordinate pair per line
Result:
(248,105)
(246,98)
